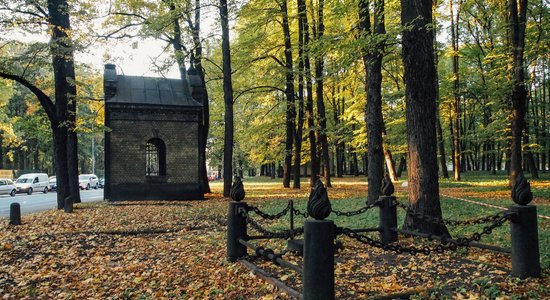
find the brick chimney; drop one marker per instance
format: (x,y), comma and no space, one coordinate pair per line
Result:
(109,81)
(195,83)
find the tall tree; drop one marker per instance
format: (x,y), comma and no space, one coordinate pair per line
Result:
(300,124)
(517,22)
(176,40)
(65,88)
(439,129)
(314,158)
(456,92)
(228,101)
(289,93)
(196,62)
(372,58)
(419,75)
(321,111)
(62,112)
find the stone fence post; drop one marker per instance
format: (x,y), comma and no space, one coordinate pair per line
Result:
(15,214)
(236,222)
(524,231)
(388,212)
(319,235)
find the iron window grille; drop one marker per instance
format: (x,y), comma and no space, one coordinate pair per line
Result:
(155,158)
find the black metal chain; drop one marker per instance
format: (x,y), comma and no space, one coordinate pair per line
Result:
(356,212)
(441,222)
(445,245)
(304,214)
(481,220)
(395,248)
(487,230)
(269,216)
(285,234)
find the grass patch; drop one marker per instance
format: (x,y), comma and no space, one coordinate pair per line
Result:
(478,186)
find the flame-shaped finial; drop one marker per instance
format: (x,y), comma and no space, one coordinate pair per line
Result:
(521,191)
(318,205)
(237,190)
(386,188)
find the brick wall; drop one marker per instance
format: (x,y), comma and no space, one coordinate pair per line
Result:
(129,133)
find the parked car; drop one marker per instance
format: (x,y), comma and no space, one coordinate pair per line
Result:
(7,187)
(27,183)
(88,181)
(53,183)
(101,182)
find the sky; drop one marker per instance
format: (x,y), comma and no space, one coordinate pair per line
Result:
(131,58)
(137,57)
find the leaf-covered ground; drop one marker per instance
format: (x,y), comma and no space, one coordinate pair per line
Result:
(176,250)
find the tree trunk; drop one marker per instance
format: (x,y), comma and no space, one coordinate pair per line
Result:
(321,112)
(440,142)
(401,166)
(65,98)
(180,54)
(456,95)
(517,20)
(372,58)
(340,160)
(60,156)
(228,100)
(340,146)
(289,93)
(529,157)
(354,156)
(309,100)
(72,140)
(205,124)
(300,128)
(2,155)
(419,76)
(390,165)
(545,143)
(365,164)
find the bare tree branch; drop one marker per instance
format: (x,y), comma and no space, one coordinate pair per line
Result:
(44,99)
(263,88)
(112,35)
(213,63)
(129,15)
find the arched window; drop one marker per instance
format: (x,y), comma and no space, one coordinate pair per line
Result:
(155,158)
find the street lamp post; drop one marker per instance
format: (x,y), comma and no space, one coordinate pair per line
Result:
(93,148)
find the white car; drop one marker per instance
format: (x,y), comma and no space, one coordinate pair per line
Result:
(7,187)
(27,183)
(88,181)
(53,183)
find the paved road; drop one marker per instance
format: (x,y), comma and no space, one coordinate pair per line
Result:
(39,201)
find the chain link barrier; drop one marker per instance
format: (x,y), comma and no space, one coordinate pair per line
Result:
(389,247)
(496,220)
(445,245)
(304,214)
(356,212)
(269,216)
(441,222)
(487,230)
(285,234)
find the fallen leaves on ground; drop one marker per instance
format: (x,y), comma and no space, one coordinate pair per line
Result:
(167,250)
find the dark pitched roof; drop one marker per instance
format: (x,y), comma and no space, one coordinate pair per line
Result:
(152,91)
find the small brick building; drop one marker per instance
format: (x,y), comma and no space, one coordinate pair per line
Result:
(152,138)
